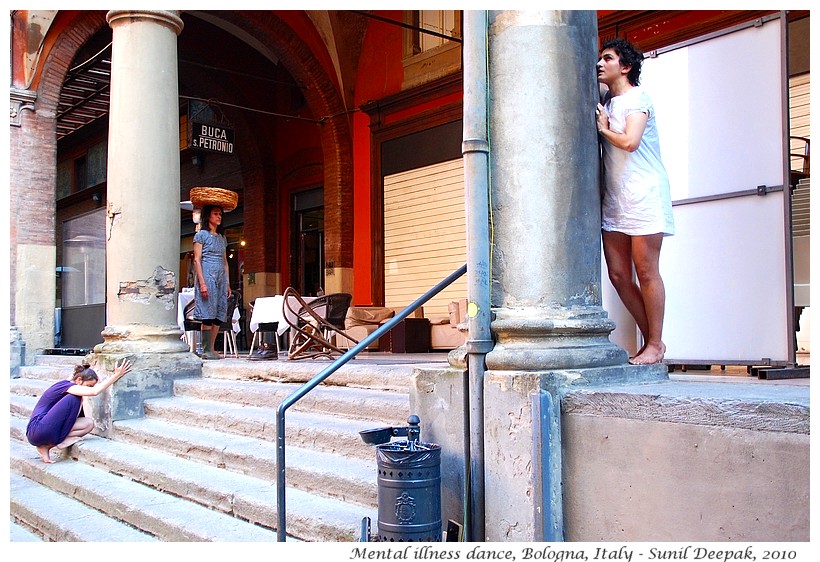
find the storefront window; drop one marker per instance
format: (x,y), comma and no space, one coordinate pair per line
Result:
(83,269)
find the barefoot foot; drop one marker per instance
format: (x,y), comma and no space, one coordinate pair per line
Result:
(44,451)
(651,354)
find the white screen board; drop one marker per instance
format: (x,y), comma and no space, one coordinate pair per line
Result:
(719,112)
(724,277)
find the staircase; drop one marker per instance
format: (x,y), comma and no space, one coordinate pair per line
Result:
(201,465)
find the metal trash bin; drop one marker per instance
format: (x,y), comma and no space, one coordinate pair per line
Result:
(409,484)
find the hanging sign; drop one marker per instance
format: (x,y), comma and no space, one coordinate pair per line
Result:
(212,137)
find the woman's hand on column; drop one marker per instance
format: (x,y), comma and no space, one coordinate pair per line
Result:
(122,368)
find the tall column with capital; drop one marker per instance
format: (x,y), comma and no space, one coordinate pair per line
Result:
(143,220)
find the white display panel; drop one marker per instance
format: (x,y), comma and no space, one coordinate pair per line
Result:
(719,112)
(724,277)
(719,109)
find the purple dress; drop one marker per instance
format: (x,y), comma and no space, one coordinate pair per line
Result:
(54,415)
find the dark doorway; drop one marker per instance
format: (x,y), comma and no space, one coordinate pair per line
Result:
(310,241)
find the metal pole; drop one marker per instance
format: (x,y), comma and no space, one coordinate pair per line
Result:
(475,148)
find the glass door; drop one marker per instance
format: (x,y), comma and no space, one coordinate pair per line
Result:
(307,275)
(82,278)
(311,252)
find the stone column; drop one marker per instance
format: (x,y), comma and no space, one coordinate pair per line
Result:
(550,328)
(143,217)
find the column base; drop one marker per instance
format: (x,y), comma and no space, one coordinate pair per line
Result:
(158,358)
(536,339)
(17,352)
(141,338)
(522,445)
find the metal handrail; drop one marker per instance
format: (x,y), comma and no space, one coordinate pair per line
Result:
(281,533)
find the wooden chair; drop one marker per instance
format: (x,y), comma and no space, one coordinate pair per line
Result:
(314,324)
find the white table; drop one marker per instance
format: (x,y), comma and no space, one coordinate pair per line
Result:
(186,296)
(270,309)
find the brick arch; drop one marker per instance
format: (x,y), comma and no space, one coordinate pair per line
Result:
(69,40)
(325,101)
(32,205)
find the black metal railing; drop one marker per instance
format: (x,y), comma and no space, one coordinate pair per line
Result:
(281,533)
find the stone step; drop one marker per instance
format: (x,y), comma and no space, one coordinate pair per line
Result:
(325,474)
(18,533)
(310,517)
(313,433)
(384,374)
(329,475)
(213,444)
(319,432)
(55,359)
(49,373)
(316,431)
(162,515)
(382,407)
(41,514)
(29,387)
(21,406)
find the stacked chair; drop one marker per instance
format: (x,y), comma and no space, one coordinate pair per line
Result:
(315,325)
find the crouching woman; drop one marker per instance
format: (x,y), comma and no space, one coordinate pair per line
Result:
(55,421)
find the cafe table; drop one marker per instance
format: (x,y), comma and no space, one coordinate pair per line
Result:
(270,310)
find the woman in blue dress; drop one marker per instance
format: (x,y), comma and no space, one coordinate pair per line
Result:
(55,421)
(212,286)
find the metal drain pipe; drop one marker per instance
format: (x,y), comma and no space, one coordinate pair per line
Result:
(476,149)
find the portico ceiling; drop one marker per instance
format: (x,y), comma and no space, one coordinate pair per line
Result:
(85,94)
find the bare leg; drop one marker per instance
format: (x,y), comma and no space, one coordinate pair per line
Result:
(214,333)
(44,451)
(618,254)
(209,333)
(205,337)
(644,301)
(646,253)
(82,427)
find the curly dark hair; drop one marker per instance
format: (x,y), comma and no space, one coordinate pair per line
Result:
(628,55)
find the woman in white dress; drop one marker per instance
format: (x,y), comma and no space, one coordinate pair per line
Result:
(636,210)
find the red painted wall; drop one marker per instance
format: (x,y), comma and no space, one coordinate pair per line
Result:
(380,75)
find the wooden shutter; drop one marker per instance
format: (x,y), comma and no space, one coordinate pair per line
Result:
(424,235)
(799,126)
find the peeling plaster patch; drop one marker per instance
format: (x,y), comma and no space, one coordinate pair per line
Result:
(113,216)
(161,286)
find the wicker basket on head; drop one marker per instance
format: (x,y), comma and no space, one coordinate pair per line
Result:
(224,198)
